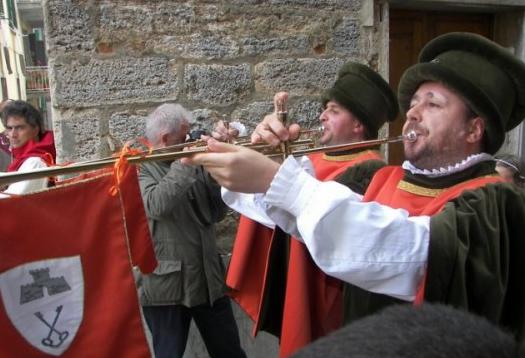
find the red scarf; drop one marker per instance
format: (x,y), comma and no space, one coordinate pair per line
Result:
(44,149)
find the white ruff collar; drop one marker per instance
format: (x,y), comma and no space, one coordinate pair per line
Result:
(464,164)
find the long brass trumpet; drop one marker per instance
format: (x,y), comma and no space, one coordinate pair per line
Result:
(304,135)
(12,177)
(307,138)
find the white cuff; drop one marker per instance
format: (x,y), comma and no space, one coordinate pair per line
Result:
(291,188)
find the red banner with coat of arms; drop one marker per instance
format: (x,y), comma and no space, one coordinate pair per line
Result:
(66,280)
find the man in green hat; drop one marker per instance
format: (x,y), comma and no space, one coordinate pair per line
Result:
(443,227)
(267,271)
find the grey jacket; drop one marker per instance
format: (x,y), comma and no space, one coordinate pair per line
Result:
(182,204)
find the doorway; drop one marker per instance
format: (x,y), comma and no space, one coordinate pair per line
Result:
(410,30)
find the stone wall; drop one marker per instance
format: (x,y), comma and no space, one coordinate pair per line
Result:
(112,62)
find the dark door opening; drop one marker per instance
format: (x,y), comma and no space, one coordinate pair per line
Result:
(409,32)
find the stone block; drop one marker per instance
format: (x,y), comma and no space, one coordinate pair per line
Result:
(210,14)
(251,114)
(297,76)
(347,5)
(125,127)
(246,2)
(217,84)
(197,46)
(68,27)
(114,81)
(171,17)
(149,19)
(78,136)
(121,19)
(246,23)
(205,119)
(306,113)
(346,37)
(211,47)
(293,45)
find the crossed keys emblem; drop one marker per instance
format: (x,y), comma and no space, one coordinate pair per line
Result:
(48,308)
(62,336)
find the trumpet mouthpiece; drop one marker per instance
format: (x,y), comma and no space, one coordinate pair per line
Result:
(411,136)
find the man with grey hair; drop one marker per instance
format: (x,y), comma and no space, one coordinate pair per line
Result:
(182,204)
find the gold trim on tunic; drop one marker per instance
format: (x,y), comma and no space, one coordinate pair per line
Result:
(346,157)
(424,191)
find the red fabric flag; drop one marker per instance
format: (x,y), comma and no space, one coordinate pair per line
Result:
(66,280)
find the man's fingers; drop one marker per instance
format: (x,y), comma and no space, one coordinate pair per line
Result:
(221,147)
(278,130)
(261,132)
(270,131)
(218,135)
(256,137)
(224,134)
(279,100)
(213,155)
(294,131)
(233,133)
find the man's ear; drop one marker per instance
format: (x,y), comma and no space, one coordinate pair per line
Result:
(164,139)
(476,127)
(358,127)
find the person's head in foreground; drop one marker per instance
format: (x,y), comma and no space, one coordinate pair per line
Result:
(407,331)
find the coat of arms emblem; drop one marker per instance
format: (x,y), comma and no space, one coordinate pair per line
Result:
(44,300)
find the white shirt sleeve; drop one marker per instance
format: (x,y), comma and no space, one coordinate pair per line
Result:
(372,246)
(27,186)
(253,206)
(248,205)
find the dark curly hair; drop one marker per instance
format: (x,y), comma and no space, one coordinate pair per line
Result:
(25,110)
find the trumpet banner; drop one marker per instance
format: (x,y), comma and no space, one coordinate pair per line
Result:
(66,261)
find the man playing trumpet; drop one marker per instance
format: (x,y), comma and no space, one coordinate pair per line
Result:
(443,227)
(354,109)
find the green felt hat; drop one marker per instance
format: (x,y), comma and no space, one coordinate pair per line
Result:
(486,75)
(364,93)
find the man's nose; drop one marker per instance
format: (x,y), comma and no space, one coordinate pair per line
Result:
(414,113)
(323,117)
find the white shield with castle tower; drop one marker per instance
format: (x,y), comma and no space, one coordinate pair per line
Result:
(45,301)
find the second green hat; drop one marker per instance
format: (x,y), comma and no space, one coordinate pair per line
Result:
(365,93)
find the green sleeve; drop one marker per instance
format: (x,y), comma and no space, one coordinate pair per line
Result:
(477,255)
(358,177)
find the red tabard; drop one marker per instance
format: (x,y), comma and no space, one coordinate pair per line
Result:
(313,301)
(107,235)
(386,188)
